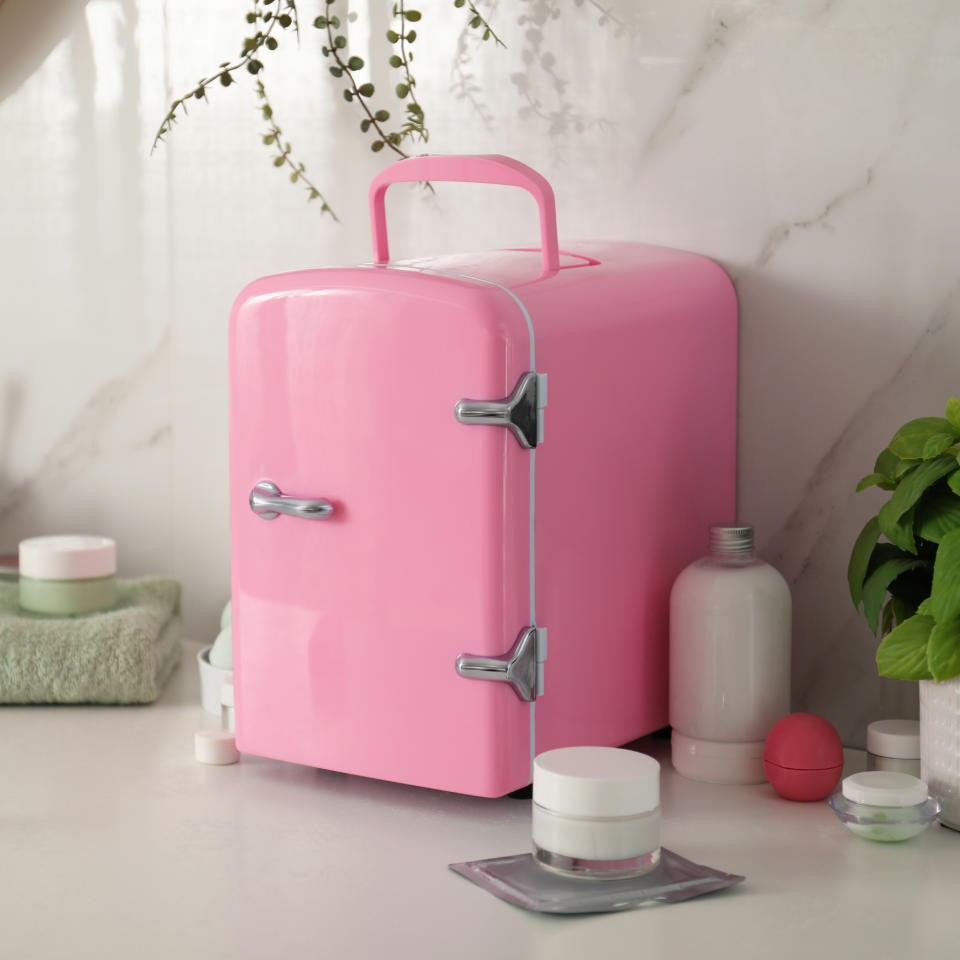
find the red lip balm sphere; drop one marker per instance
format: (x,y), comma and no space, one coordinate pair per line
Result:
(803,757)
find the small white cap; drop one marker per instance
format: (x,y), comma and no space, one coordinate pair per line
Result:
(215,746)
(899,739)
(67,558)
(882,788)
(596,782)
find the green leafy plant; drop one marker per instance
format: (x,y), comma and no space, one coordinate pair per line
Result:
(908,583)
(268,20)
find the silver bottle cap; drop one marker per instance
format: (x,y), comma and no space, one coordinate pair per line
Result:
(729,538)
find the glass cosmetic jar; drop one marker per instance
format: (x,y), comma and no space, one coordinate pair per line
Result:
(596,812)
(60,576)
(884,805)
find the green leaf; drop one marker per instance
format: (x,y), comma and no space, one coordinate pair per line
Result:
(412,15)
(943,650)
(284,20)
(945,592)
(938,514)
(953,482)
(268,139)
(875,586)
(271,43)
(365,125)
(320,23)
(459,3)
(382,115)
(912,486)
(376,146)
(393,36)
(887,463)
(903,467)
(924,607)
(903,652)
(899,532)
(396,61)
(872,479)
(402,90)
(278,161)
(860,558)
(909,440)
(953,412)
(254,66)
(886,618)
(336,71)
(900,609)
(348,95)
(411,36)
(936,444)
(355,63)
(225,79)
(365,89)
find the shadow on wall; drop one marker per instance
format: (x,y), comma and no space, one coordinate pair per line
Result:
(29,31)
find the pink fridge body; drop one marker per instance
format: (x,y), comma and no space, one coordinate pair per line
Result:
(460,491)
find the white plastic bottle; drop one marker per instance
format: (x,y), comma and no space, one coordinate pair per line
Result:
(729,660)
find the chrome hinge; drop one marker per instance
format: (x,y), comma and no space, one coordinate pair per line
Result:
(521,412)
(521,666)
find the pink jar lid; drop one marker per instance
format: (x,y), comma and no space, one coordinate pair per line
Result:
(68,558)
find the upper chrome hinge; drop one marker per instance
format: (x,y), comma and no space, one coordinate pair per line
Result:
(521,412)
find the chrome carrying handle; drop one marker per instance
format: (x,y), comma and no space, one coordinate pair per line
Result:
(267,502)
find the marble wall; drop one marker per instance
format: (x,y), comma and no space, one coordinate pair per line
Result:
(810,146)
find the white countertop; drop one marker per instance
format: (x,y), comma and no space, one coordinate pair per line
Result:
(116,843)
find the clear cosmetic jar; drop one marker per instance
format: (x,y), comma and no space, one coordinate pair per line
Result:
(884,805)
(596,812)
(894,745)
(60,576)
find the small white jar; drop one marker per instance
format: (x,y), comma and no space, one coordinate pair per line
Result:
(894,745)
(67,575)
(596,812)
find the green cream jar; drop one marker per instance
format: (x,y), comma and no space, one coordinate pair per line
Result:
(61,576)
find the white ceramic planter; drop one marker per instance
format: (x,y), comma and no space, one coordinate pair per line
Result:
(940,745)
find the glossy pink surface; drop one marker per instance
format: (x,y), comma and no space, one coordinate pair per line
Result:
(343,386)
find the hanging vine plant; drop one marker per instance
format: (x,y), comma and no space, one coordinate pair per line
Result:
(271,20)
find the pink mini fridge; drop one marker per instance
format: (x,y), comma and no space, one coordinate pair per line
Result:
(461,489)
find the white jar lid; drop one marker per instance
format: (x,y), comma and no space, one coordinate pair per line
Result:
(215,746)
(67,558)
(894,738)
(883,788)
(596,782)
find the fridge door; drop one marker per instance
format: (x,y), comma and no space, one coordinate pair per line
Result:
(406,541)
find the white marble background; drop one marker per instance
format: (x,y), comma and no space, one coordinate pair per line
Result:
(810,146)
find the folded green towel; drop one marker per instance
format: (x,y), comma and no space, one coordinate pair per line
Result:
(123,655)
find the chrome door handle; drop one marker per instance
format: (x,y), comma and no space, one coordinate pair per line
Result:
(267,502)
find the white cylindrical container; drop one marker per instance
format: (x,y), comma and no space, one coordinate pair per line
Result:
(894,745)
(596,812)
(729,660)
